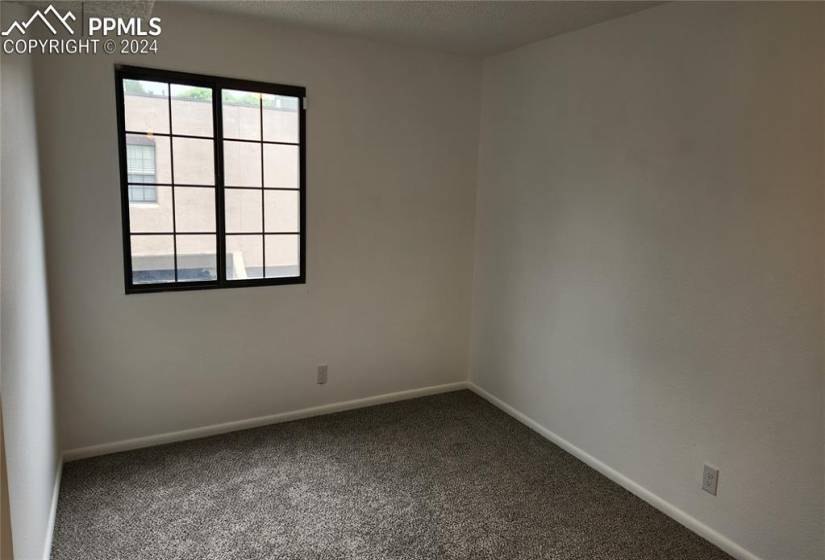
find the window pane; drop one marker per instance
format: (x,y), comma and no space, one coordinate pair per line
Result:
(280,166)
(153,259)
(194,209)
(242,164)
(197,258)
(140,161)
(148,159)
(143,194)
(149,216)
(243,210)
(194,161)
(280,118)
(191,110)
(177,178)
(244,256)
(241,114)
(282,256)
(281,212)
(146,106)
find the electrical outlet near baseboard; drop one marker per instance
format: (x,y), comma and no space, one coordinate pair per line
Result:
(322,374)
(710,479)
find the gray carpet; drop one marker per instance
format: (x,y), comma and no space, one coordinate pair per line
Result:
(442,477)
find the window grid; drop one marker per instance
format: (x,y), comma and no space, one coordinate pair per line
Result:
(263,182)
(262,189)
(220,234)
(172,178)
(226,138)
(140,162)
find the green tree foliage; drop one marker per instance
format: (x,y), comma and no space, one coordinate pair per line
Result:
(230,97)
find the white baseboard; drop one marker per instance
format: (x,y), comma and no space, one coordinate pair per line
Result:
(47,547)
(659,503)
(194,433)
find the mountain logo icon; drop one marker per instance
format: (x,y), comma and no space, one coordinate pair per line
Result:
(44,17)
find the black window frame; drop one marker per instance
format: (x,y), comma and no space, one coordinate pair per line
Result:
(216,84)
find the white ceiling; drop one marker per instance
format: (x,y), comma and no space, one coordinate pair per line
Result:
(461,27)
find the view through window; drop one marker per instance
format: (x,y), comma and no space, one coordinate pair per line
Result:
(214,193)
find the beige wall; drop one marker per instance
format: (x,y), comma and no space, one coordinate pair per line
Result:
(649,248)
(31,443)
(392,145)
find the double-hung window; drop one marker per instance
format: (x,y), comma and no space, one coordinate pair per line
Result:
(213,183)
(140,162)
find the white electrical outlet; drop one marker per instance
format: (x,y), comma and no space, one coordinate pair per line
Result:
(322,374)
(710,479)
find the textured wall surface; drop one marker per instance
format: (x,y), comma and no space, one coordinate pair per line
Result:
(648,275)
(391,186)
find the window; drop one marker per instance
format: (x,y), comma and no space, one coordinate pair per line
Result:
(212,181)
(140,168)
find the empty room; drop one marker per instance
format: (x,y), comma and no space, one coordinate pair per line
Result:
(412,280)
